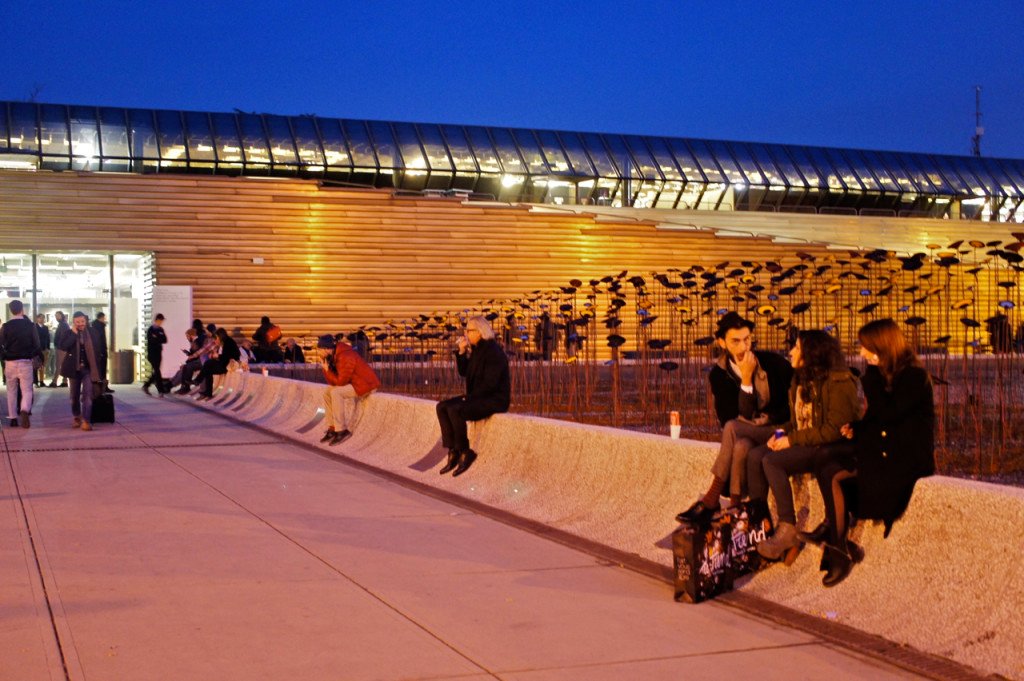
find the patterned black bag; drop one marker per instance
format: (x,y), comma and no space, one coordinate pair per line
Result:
(700,558)
(750,524)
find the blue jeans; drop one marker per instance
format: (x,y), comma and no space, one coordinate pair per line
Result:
(82,392)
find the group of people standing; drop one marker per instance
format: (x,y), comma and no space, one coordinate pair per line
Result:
(866,439)
(81,361)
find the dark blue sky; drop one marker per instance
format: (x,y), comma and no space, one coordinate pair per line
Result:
(895,75)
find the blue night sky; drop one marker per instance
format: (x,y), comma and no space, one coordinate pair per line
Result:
(896,76)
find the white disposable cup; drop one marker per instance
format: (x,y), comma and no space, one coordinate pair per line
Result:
(674,431)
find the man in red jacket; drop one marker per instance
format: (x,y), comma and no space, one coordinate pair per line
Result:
(349,379)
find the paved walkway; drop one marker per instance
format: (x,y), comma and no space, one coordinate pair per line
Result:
(175,545)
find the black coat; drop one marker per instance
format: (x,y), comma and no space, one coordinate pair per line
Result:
(101,333)
(44,336)
(156,337)
(895,442)
(488,386)
(725,387)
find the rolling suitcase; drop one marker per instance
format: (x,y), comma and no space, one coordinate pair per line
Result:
(103,409)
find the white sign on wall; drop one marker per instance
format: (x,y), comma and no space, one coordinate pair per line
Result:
(175,304)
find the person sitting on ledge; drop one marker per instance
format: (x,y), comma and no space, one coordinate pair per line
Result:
(293,353)
(349,380)
(480,359)
(750,388)
(226,350)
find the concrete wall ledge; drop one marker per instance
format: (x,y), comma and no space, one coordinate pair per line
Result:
(948,581)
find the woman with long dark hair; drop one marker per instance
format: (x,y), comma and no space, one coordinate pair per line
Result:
(893,445)
(822,398)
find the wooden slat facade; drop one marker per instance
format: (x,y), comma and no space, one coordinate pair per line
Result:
(338,258)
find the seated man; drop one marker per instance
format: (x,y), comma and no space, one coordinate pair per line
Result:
(751,391)
(349,379)
(293,353)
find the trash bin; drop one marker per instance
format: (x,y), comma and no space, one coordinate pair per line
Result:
(122,367)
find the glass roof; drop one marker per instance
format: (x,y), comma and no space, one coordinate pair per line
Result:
(513,164)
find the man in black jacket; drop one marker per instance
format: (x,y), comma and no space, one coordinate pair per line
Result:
(44,343)
(156,337)
(63,328)
(751,392)
(81,367)
(100,324)
(20,344)
(484,364)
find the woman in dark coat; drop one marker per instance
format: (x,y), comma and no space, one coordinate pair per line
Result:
(483,363)
(893,444)
(227,351)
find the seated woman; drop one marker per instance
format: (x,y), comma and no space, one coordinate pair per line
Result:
(893,445)
(226,350)
(483,363)
(822,398)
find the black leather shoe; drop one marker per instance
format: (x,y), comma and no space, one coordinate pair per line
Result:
(340,437)
(328,434)
(453,461)
(840,564)
(698,513)
(465,461)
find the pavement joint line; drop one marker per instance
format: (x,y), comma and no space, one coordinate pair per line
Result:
(39,574)
(141,445)
(322,560)
(840,635)
(662,658)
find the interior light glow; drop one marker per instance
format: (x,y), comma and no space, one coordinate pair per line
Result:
(511,180)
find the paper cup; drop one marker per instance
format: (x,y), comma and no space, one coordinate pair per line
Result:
(674,431)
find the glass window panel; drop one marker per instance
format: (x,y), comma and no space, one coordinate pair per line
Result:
(171,135)
(506,148)
(646,165)
(881,170)
(988,182)
(804,165)
(4,136)
(689,164)
(1005,183)
(669,194)
(952,177)
(23,127)
(784,162)
(842,166)
(282,147)
(594,145)
(54,130)
(200,137)
(747,164)
(531,151)
(384,144)
(621,156)
(225,135)
(576,155)
(358,137)
(337,149)
(556,158)
(898,172)
(433,144)
(113,133)
(934,175)
(460,148)
(143,134)
(666,164)
(1014,171)
(706,161)
(85,136)
(825,167)
(916,174)
(409,144)
(254,139)
(307,141)
(726,162)
(855,162)
(773,175)
(486,156)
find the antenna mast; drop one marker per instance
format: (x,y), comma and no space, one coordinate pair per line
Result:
(978,130)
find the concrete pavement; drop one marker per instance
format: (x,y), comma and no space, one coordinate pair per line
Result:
(177,545)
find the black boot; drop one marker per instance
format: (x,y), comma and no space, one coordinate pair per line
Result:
(465,461)
(816,536)
(840,564)
(453,461)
